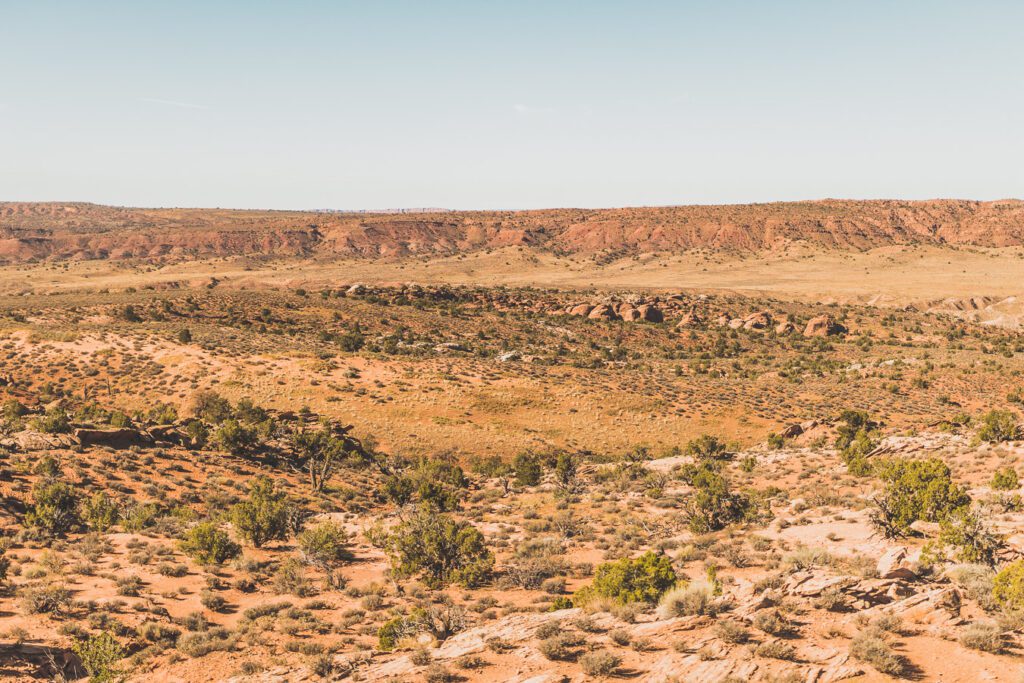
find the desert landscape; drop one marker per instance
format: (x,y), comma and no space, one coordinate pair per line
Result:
(764,442)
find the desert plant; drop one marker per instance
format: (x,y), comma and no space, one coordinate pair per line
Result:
(600,663)
(207,544)
(915,489)
(997,426)
(984,636)
(100,511)
(325,546)
(440,549)
(871,648)
(55,508)
(263,516)
(642,579)
(1008,586)
(1005,479)
(99,655)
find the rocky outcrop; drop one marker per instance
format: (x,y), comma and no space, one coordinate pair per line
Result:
(823,326)
(74,231)
(895,565)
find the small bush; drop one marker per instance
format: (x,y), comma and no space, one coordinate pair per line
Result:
(600,663)
(776,649)
(987,637)
(440,549)
(1008,586)
(1005,479)
(99,655)
(641,579)
(696,598)
(561,648)
(55,508)
(871,649)
(263,516)
(998,426)
(208,545)
(915,490)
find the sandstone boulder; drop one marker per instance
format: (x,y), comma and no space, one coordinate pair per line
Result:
(581,310)
(602,312)
(114,438)
(650,313)
(894,565)
(760,320)
(823,326)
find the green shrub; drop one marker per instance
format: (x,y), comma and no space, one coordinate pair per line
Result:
(969,539)
(706,447)
(55,507)
(439,549)
(264,516)
(1008,586)
(856,437)
(325,546)
(641,579)
(998,426)
(236,438)
(100,511)
(211,407)
(915,490)
(53,421)
(1005,479)
(713,505)
(207,544)
(99,655)
(528,469)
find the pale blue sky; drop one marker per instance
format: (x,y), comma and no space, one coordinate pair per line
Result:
(492,104)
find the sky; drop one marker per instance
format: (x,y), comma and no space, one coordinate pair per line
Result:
(498,104)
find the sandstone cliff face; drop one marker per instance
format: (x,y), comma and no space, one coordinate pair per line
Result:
(56,231)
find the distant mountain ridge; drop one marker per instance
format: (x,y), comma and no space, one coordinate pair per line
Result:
(55,231)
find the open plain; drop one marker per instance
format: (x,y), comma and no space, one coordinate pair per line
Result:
(771,442)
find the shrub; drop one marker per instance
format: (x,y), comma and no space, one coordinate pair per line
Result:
(440,549)
(45,599)
(99,655)
(776,649)
(100,511)
(998,426)
(696,598)
(915,489)
(53,421)
(325,546)
(1008,586)
(264,516)
(528,470)
(1005,479)
(706,447)
(207,544)
(203,643)
(211,407)
(289,579)
(857,436)
(713,506)
(236,438)
(870,648)
(55,509)
(987,637)
(600,663)
(562,647)
(969,538)
(641,579)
